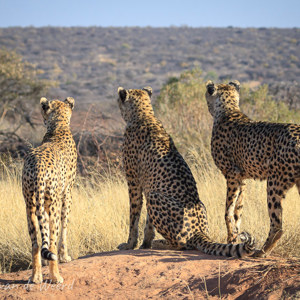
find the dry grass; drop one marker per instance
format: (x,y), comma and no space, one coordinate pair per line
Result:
(100,213)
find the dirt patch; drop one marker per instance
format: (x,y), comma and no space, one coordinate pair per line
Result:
(153,274)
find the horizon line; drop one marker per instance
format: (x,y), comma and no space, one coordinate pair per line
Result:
(149,26)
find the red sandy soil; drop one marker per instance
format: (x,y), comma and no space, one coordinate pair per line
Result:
(161,274)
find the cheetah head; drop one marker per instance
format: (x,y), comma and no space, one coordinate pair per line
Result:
(222,96)
(134,103)
(56,111)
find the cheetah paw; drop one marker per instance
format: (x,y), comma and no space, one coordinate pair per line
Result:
(56,278)
(36,278)
(259,254)
(125,246)
(146,245)
(65,258)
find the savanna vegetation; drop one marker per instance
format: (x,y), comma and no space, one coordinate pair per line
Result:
(100,213)
(90,63)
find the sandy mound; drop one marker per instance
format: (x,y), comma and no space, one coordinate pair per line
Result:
(153,274)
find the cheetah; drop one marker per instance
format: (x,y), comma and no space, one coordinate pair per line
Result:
(244,149)
(153,166)
(47,180)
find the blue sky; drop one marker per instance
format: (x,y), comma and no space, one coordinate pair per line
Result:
(155,13)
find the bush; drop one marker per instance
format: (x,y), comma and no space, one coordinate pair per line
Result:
(20,90)
(182,108)
(260,105)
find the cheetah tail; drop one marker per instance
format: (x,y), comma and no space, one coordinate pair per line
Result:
(246,248)
(43,220)
(48,255)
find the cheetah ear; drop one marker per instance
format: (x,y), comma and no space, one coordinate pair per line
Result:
(122,94)
(210,87)
(148,89)
(70,101)
(236,84)
(44,103)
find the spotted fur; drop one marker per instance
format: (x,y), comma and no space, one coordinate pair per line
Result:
(48,176)
(243,148)
(156,169)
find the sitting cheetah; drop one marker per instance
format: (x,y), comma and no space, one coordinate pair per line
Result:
(154,167)
(47,180)
(243,149)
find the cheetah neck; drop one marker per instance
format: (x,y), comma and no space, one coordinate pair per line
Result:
(150,123)
(226,110)
(232,116)
(142,116)
(56,131)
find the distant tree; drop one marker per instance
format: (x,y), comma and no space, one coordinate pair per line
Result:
(20,89)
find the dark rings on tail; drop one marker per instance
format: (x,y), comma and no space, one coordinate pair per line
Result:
(48,255)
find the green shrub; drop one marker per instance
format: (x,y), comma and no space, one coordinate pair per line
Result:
(260,105)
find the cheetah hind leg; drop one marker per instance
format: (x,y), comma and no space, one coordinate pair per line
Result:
(37,276)
(149,235)
(164,245)
(275,215)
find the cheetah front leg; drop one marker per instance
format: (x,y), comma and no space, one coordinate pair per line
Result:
(234,208)
(238,209)
(54,220)
(66,209)
(136,202)
(149,234)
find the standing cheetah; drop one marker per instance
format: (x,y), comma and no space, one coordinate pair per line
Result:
(154,167)
(47,180)
(243,149)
